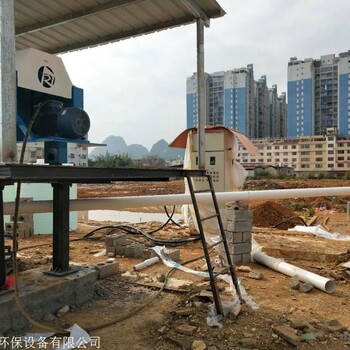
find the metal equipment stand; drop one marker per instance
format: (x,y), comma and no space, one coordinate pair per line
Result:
(61,178)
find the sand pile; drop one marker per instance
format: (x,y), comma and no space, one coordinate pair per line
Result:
(269,214)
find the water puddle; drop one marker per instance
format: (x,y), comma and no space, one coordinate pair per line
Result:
(128,216)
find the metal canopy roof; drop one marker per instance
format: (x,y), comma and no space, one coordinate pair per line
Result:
(57,26)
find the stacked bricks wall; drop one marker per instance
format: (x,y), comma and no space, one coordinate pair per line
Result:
(238,220)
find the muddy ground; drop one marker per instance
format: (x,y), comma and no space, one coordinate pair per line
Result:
(177,318)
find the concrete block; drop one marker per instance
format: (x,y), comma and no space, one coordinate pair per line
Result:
(234,237)
(237,215)
(238,237)
(239,226)
(246,237)
(129,251)
(116,240)
(241,259)
(120,250)
(242,248)
(236,259)
(237,205)
(108,269)
(24,229)
(110,249)
(173,254)
(138,250)
(23,218)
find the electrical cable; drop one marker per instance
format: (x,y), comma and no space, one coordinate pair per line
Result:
(171,216)
(132,230)
(135,230)
(288,219)
(15,241)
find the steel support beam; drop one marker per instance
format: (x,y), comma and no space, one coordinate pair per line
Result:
(197,11)
(60,249)
(201,94)
(8,147)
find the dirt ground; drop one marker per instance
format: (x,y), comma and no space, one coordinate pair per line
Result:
(177,318)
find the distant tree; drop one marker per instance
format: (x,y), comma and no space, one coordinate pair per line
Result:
(123,160)
(153,161)
(111,161)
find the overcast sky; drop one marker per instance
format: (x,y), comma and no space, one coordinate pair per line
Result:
(137,88)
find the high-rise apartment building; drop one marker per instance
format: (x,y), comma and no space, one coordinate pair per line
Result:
(236,101)
(318,95)
(262,109)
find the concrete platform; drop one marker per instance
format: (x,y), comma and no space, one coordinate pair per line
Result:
(42,293)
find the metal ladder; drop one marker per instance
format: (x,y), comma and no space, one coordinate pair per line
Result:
(231,267)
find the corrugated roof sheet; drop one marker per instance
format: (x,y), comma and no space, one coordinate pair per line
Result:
(57,26)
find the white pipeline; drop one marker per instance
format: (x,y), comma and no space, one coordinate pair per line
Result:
(146,263)
(123,203)
(317,281)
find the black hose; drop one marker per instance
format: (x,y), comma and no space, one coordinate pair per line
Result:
(171,216)
(135,230)
(288,219)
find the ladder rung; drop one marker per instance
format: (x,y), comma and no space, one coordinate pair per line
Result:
(214,244)
(224,270)
(210,217)
(202,191)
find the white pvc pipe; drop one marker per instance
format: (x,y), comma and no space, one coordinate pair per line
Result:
(121,203)
(146,263)
(322,283)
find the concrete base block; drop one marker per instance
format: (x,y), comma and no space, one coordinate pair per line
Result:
(24,229)
(110,249)
(40,294)
(172,254)
(107,269)
(116,240)
(120,250)
(134,250)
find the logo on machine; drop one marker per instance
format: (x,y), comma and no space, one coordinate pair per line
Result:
(46,76)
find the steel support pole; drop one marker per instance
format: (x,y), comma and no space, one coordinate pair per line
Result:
(60,250)
(8,147)
(201,94)
(2,242)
